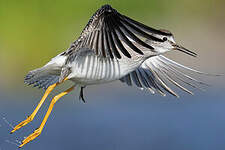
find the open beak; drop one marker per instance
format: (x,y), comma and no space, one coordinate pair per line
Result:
(184,50)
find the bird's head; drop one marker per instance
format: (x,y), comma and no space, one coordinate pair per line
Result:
(169,44)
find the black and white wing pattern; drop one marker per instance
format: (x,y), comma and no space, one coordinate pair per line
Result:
(107,31)
(158,72)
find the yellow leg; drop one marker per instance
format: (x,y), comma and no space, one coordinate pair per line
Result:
(38,131)
(31,117)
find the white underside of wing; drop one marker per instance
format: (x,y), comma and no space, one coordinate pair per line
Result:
(158,73)
(93,69)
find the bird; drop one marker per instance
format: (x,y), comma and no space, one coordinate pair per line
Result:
(112,47)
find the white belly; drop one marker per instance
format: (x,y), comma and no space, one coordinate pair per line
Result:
(95,70)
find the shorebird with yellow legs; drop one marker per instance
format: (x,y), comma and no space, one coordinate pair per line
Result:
(113,47)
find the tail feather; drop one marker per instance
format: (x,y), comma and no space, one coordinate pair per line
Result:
(47,75)
(40,78)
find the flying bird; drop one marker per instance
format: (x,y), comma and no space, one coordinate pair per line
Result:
(113,47)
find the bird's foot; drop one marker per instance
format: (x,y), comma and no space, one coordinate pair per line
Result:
(23,123)
(31,137)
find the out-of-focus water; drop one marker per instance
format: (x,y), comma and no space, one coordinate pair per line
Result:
(118,119)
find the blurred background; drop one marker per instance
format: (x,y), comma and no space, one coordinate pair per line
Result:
(116,117)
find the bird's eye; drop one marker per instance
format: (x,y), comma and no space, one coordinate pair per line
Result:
(165,39)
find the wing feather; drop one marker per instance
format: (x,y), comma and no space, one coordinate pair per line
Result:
(147,28)
(140,32)
(101,44)
(112,44)
(125,39)
(96,39)
(106,43)
(136,79)
(108,31)
(158,73)
(117,40)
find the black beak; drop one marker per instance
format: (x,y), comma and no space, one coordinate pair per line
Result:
(184,50)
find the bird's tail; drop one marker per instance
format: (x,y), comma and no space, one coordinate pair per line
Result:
(40,78)
(46,75)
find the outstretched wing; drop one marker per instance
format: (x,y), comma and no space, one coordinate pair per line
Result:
(157,73)
(108,33)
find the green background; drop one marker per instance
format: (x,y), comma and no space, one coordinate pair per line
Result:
(33,31)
